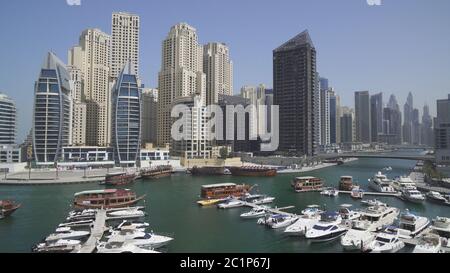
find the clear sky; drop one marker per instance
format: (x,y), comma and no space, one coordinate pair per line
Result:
(400,46)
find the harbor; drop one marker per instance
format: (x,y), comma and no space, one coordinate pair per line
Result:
(171,207)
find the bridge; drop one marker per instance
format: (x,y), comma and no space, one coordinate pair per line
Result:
(379,155)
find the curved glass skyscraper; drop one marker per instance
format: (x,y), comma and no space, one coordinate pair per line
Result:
(7,120)
(126,117)
(52,111)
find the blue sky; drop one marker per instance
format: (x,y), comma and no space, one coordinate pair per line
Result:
(401,46)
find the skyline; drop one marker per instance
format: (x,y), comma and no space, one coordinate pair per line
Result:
(333,46)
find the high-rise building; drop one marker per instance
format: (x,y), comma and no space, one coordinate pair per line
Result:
(362,117)
(92,58)
(125,42)
(347,127)
(149,115)
(296,91)
(392,123)
(376,115)
(442,131)
(427,137)
(407,122)
(79,107)
(219,71)
(126,117)
(52,111)
(324,112)
(335,120)
(415,129)
(8,119)
(181,74)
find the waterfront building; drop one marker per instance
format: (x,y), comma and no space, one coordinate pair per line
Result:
(392,127)
(324,112)
(52,111)
(296,91)
(149,115)
(334,108)
(181,74)
(88,156)
(407,122)
(442,131)
(427,127)
(126,117)
(8,120)
(257,97)
(10,154)
(219,71)
(79,107)
(347,127)
(376,115)
(124,42)
(362,117)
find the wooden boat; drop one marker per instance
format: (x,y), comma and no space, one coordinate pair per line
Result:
(106,199)
(253,171)
(223,190)
(7,208)
(346,183)
(207,170)
(157,172)
(307,183)
(117,179)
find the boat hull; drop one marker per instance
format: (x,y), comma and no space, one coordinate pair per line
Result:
(8,212)
(107,205)
(208,171)
(327,237)
(236,171)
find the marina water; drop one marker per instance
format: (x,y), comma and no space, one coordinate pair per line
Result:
(172,209)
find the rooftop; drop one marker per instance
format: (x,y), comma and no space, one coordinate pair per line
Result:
(299,40)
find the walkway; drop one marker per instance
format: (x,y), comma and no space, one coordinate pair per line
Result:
(96,233)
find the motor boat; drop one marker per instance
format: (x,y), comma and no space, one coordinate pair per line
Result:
(403,182)
(327,229)
(129,225)
(428,243)
(441,225)
(263,200)
(250,197)
(331,192)
(231,203)
(380,183)
(373,202)
(75,224)
(256,212)
(139,238)
(276,221)
(357,239)
(61,245)
(347,214)
(385,242)
(413,195)
(310,216)
(125,214)
(436,197)
(68,234)
(411,225)
(357,193)
(121,247)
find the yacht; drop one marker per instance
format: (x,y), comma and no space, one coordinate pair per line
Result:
(356,239)
(373,202)
(327,229)
(276,221)
(428,243)
(411,225)
(385,242)
(357,193)
(436,197)
(380,183)
(57,246)
(256,212)
(331,192)
(67,234)
(129,225)
(263,200)
(139,238)
(121,247)
(403,182)
(230,203)
(413,195)
(310,216)
(441,225)
(126,214)
(77,224)
(347,214)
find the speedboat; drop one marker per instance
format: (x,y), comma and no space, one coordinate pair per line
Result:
(83,223)
(411,225)
(347,214)
(428,243)
(331,192)
(256,212)
(380,183)
(126,214)
(61,245)
(310,216)
(356,239)
(121,247)
(373,202)
(263,200)
(139,238)
(231,203)
(413,195)
(67,234)
(129,225)
(276,221)
(385,242)
(327,229)
(436,197)
(441,225)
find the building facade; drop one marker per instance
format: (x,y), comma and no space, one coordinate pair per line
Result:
(149,115)
(376,115)
(324,112)
(362,117)
(442,131)
(427,137)
(407,122)
(347,128)
(296,91)
(8,120)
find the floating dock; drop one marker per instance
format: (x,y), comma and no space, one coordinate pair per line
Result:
(96,233)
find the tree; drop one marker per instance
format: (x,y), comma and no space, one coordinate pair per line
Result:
(223,152)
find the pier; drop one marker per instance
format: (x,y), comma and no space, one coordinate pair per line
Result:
(97,231)
(388,194)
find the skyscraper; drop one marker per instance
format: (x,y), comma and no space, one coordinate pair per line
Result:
(442,131)
(219,71)
(324,112)
(347,125)
(79,107)
(392,123)
(427,137)
(125,42)
(376,115)
(126,113)
(52,111)
(8,119)
(407,122)
(334,117)
(362,117)
(149,115)
(296,91)
(181,74)
(415,129)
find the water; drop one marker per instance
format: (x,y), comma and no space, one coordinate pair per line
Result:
(171,207)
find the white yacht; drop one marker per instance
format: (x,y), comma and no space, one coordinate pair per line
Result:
(411,225)
(276,221)
(331,192)
(403,182)
(263,200)
(436,197)
(310,216)
(347,214)
(357,239)
(413,195)
(129,225)
(380,183)
(139,238)
(373,202)
(121,247)
(67,234)
(255,212)
(57,246)
(327,229)
(441,225)
(428,243)
(83,223)
(385,242)
(126,214)
(232,203)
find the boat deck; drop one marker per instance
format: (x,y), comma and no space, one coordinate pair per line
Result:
(96,233)
(376,193)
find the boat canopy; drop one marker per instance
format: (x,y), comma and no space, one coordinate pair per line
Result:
(96,192)
(218,185)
